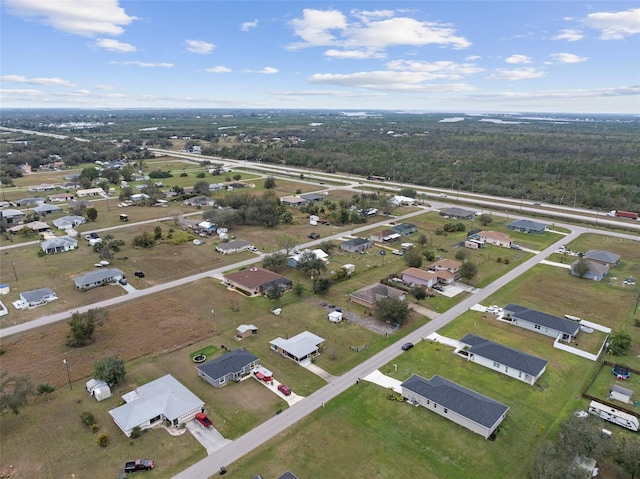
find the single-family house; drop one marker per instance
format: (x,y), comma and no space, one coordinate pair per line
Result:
(494,238)
(419,276)
(42,187)
(61,197)
(603,257)
(355,245)
(136,197)
(287,475)
(293,201)
(216,186)
(11,216)
(68,222)
(405,229)
(59,244)
(46,209)
(312,197)
(465,407)
(293,260)
(164,399)
(37,297)
(234,246)
(527,226)
(200,201)
(371,295)
(619,393)
(245,331)
(457,213)
(98,278)
(301,347)
(399,200)
(79,204)
(501,358)
(543,323)
(90,192)
(207,227)
(256,281)
(231,366)
(37,226)
(384,236)
(447,270)
(21,203)
(595,271)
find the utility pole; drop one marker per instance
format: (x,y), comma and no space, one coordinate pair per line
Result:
(14,270)
(66,363)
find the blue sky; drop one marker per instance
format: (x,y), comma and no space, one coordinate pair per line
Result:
(453,56)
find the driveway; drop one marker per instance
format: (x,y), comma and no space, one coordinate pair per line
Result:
(273,387)
(209,437)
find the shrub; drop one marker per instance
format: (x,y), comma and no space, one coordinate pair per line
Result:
(136,432)
(94,428)
(41,254)
(499,259)
(200,175)
(103,440)
(507,261)
(87,418)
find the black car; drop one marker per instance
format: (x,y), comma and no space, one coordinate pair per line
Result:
(139,274)
(437,287)
(407,346)
(314,236)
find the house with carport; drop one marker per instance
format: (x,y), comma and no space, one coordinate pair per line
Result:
(36,226)
(355,245)
(503,359)
(421,277)
(447,270)
(293,200)
(246,331)
(256,281)
(234,246)
(59,244)
(68,222)
(47,209)
(37,297)
(293,260)
(301,348)
(384,236)
(494,237)
(553,326)
(457,213)
(465,407)
(527,226)
(98,278)
(231,366)
(61,197)
(371,295)
(11,216)
(164,399)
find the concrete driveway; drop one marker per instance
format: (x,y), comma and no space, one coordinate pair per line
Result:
(209,437)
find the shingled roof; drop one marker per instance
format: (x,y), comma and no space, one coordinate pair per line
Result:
(228,363)
(543,319)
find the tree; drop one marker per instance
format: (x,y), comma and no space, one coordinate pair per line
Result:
(422,239)
(581,267)
(92,214)
(109,369)
(144,240)
(619,342)
(461,255)
(14,392)
(429,255)
(286,242)
(157,232)
(628,456)
(413,258)
(107,245)
(298,289)
(418,292)
(201,188)
(310,263)
(83,325)
(485,219)
(89,173)
(582,437)
(409,192)
(392,310)
(275,293)
(274,261)
(327,246)
(269,183)
(468,271)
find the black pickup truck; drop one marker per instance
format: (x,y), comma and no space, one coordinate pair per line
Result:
(139,465)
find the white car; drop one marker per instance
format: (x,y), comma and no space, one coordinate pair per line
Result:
(397,251)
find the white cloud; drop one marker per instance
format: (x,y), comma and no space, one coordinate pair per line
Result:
(17,92)
(473,58)
(246,26)
(218,69)
(115,45)
(518,59)
(567,58)
(79,17)
(518,74)
(268,70)
(144,64)
(389,80)
(614,25)
(574,94)
(36,81)
(354,54)
(375,30)
(569,35)
(199,46)
(440,69)
(104,87)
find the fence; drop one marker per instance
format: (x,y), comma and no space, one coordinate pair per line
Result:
(357,349)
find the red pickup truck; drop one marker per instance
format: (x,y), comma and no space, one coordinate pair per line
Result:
(203,419)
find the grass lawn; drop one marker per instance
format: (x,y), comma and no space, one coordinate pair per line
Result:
(605,379)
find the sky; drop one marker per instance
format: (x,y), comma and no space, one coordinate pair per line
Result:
(449,56)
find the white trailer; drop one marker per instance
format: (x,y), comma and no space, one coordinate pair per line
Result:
(613,415)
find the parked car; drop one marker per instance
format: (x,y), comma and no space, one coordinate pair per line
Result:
(203,419)
(437,287)
(314,236)
(252,248)
(284,389)
(139,274)
(407,346)
(397,252)
(91,236)
(382,252)
(139,465)
(122,281)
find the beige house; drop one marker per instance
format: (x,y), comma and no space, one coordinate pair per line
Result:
(494,238)
(419,276)
(370,296)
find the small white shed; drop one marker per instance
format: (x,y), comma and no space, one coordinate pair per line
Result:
(349,268)
(98,389)
(620,394)
(335,316)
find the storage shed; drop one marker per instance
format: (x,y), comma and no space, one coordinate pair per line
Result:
(98,389)
(620,394)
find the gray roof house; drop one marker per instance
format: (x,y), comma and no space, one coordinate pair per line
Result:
(527,226)
(149,405)
(28,202)
(501,358)
(370,296)
(67,222)
(602,256)
(405,229)
(312,197)
(231,366)
(595,271)
(233,246)
(59,244)
(543,323)
(355,245)
(97,278)
(458,213)
(287,475)
(11,216)
(46,209)
(37,297)
(301,348)
(463,406)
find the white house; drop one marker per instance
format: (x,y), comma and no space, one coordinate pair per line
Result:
(542,323)
(503,359)
(90,192)
(234,246)
(37,297)
(301,347)
(149,405)
(463,406)
(59,244)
